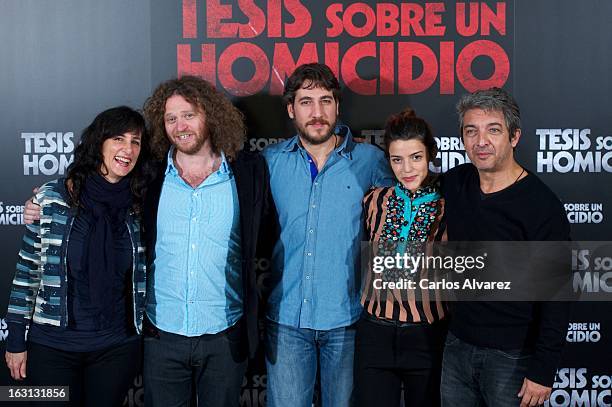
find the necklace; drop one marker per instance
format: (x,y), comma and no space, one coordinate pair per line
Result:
(519,177)
(334,146)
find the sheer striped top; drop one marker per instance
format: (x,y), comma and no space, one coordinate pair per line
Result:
(390,223)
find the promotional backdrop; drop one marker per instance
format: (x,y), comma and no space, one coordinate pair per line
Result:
(62,62)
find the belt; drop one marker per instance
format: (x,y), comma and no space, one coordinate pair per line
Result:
(390,322)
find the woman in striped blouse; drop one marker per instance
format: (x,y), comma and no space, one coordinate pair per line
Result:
(401,333)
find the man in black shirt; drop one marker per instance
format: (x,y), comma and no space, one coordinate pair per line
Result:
(500,353)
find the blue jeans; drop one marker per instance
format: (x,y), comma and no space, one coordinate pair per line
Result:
(292,357)
(478,376)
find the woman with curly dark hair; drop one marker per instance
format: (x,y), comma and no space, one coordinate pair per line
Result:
(80,280)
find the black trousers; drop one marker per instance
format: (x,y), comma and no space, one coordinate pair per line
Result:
(388,357)
(211,366)
(95,379)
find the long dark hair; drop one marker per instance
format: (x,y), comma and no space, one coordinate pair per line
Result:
(88,154)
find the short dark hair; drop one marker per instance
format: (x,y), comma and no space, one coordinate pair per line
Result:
(88,157)
(491,100)
(405,125)
(311,76)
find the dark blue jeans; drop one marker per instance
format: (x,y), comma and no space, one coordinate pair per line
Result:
(478,376)
(215,364)
(292,356)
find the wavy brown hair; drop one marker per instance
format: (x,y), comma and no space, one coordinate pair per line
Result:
(224,122)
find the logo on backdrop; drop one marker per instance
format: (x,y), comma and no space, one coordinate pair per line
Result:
(264,276)
(253,391)
(47,153)
(11,214)
(135,395)
(587,212)
(374,136)
(592,272)
(573,150)
(451,151)
(575,387)
(444,40)
(258,144)
(3,330)
(581,332)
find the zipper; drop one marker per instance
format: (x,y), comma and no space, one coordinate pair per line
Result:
(134,293)
(65,263)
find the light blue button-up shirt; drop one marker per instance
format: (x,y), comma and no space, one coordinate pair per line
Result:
(196,284)
(316,260)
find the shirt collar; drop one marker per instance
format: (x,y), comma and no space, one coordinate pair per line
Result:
(170,168)
(344,149)
(431,187)
(224,168)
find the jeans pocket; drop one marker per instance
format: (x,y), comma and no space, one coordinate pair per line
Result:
(450,339)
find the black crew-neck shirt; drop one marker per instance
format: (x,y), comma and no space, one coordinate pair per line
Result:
(524,211)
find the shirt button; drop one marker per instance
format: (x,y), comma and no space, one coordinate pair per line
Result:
(194,219)
(307,277)
(193,246)
(305,299)
(313,205)
(316,184)
(309,254)
(311,231)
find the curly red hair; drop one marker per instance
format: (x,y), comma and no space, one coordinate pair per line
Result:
(224,122)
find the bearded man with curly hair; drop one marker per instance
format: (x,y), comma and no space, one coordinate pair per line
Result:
(202,218)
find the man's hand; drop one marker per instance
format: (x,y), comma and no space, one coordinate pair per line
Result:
(31,212)
(16,363)
(533,394)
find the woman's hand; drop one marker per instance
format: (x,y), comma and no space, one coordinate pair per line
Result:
(16,363)
(31,211)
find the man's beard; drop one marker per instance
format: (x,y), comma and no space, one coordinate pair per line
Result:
(193,148)
(319,140)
